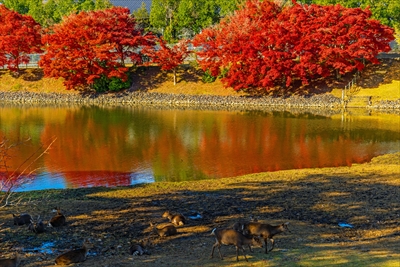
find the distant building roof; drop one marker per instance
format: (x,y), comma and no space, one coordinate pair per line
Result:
(132,4)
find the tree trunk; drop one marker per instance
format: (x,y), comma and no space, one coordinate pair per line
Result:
(174,76)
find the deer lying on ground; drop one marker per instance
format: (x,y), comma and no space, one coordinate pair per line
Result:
(57,220)
(23,218)
(75,255)
(137,249)
(175,218)
(36,226)
(14,262)
(231,237)
(266,231)
(164,231)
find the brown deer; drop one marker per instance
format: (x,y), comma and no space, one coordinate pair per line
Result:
(266,231)
(36,226)
(22,219)
(164,231)
(58,219)
(175,218)
(75,255)
(14,262)
(232,237)
(238,226)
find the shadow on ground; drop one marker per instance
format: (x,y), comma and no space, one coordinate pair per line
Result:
(314,204)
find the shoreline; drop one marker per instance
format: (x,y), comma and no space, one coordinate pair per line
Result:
(187,101)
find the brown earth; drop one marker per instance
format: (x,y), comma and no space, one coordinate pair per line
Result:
(189,81)
(313,201)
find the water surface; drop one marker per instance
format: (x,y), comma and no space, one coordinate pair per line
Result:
(98,146)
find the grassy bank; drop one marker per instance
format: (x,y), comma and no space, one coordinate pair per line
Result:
(382,82)
(313,201)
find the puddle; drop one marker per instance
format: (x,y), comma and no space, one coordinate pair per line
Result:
(195,217)
(47,248)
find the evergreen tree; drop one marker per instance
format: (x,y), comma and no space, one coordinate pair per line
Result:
(142,17)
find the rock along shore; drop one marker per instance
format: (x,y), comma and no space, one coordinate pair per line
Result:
(206,102)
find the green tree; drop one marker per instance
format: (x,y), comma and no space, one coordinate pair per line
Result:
(142,17)
(20,6)
(227,7)
(36,10)
(162,17)
(194,15)
(102,4)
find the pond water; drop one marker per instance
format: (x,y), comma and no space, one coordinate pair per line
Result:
(104,146)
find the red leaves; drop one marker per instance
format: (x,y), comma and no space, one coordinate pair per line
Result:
(168,57)
(91,45)
(263,45)
(19,36)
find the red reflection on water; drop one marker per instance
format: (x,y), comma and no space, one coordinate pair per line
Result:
(96,178)
(103,149)
(13,180)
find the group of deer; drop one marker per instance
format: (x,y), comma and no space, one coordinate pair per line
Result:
(37,226)
(175,219)
(247,233)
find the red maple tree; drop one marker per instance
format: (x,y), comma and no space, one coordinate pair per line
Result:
(263,45)
(20,35)
(168,57)
(89,46)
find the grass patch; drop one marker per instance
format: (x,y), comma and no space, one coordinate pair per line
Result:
(379,81)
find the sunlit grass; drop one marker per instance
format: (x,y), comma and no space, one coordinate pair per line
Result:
(189,82)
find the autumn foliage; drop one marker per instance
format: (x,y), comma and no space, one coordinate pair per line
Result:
(263,45)
(20,35)
(93,46)
(168,57)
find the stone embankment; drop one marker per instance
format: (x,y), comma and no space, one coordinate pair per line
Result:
(325,101)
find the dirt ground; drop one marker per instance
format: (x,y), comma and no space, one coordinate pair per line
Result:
(313,201)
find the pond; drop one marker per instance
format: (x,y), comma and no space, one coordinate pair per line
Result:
(117,146)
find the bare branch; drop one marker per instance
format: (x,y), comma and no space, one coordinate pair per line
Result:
(10,182)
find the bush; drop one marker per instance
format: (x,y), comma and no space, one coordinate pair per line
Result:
(113,84)
(207,77)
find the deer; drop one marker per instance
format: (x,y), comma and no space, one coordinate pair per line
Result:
(75,255)
(13,262)
(266,231)
(238,226)
(37,226)
(22,219)
(58,219)
(175,218)
(232,237)
(138,250)
(167,230)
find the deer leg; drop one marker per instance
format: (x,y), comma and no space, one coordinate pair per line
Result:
(273,243)
(212,252)
(251,250)
(266,245)
(244,254)
(219,250)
